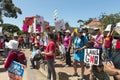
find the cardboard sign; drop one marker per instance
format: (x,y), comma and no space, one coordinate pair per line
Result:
(117,28)
(91,56)
(0,29)
(108,28)
(15,34)
(59,25)
(55,15)
(15,71)
(39,20)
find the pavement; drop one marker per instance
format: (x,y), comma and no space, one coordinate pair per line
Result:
(63,73)
(29,74)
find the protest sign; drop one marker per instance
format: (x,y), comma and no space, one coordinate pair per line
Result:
(91,56)
(117,28)
(15,34)
(55,14)
(59,25)
(39,20)
(0,29)
(15,71)
(108,28)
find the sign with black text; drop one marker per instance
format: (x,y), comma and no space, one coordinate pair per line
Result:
(91,56)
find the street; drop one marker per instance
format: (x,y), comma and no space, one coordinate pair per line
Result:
(29,74)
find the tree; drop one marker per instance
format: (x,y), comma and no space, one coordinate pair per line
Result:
(67,26)
(8,9)
(10,28)
(81,22)
(109,19)
(88,21)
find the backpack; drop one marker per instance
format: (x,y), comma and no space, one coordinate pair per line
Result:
(21,58)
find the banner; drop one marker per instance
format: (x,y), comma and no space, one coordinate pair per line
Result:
(91,56)
(59,25)
(117,28)
(15,71)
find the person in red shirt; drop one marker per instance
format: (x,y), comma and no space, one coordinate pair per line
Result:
(50,56)
(117,45)
(108,44)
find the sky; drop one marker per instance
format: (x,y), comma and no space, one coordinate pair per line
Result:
(68,10)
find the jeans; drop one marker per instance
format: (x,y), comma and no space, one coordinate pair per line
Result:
(108,53)
(51,69)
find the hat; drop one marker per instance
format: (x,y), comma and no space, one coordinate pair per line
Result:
(96,29)
(12,44)
(47,27)
(67,31)
(80,30)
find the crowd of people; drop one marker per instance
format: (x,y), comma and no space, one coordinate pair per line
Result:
(51,43)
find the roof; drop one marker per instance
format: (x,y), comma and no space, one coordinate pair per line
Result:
(94,22)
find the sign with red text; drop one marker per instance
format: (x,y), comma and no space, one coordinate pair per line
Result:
(91,56)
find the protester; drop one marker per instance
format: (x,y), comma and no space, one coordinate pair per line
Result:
(50,56)
(98,73)
(6,50)
(13,46)
(79,46)
(35,57)
(1,41)
(98,41)
(67,44)
(21,42)
(108,44)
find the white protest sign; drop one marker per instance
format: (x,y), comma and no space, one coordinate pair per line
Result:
(59,25)
(91,56)
(55,14)
(15,71)
(108,28)
(0,29)
(15,34)
(39,20)
(117,28)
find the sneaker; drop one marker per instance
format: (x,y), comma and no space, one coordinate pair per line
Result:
(80,77)
(75,74)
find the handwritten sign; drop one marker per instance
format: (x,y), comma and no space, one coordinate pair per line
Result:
(117,28)
(15,71)
(91,56)
(59,25)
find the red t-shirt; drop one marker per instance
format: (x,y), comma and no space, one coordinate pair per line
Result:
(51,47)
(118,44)
(58,40)
(108,41)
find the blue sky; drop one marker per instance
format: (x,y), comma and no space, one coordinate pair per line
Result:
(69,10)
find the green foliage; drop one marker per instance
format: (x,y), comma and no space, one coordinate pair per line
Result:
(8,9)
(88,21)
(67,26)
(109,19)
(10,28)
